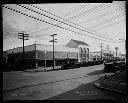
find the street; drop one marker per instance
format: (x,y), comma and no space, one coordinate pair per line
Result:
(44,85)
(64,51)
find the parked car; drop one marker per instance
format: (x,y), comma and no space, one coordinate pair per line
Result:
(114,66)
(77,65)
(120,65)
(109,67)
(67,66)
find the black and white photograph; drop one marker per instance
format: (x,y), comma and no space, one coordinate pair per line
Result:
(64,51)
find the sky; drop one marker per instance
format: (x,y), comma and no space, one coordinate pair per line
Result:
(93,20)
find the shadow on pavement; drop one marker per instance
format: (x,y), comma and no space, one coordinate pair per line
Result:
(90,93)
(96,72)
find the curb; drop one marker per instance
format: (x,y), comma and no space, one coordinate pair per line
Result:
(40,70)
(13,72)
(98,85)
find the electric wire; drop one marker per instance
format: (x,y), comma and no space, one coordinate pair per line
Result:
(50,23)
(75,24)
(77,9)
(101,15)
(95,9)
(71,18)
(75,27)
(101,8)
(64,16)
(110,25)
(48,27)
(107,20)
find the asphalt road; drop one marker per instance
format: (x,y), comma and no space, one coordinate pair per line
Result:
(45,85)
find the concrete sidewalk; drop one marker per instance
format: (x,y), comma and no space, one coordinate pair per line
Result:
(116,82)
(41,69)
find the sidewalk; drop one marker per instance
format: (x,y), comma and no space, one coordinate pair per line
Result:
(41,69)
(116,82)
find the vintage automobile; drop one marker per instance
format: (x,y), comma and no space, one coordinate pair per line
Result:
(109,67)
(114,66)
(67,66)
(120,65)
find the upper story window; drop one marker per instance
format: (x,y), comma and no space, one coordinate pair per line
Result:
(80,50)
(84,51)
(87,50)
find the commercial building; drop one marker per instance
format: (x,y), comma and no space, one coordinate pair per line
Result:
(40,55)
(97,56)
(105,56)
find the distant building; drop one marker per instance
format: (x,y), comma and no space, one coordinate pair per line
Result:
(96,56)
(105,55)
(123,56)
(36,54)
(83,53)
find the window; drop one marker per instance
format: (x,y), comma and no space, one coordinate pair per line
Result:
(84,51)
(81,51)
(88,53)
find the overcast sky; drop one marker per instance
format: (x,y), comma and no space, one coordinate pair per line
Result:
(107,20)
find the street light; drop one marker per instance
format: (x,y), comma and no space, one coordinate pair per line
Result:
(53,48)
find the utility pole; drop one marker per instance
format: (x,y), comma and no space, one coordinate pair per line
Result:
(53,48)
(23,36)
(101,45)
(45,59)
(116,51)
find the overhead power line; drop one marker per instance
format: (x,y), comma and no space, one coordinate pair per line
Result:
(108,20)
(75,24)
(117,22)
(85,13)
(77,9)
(101,15)
(33,17)
(51,26)
(63,22)
(93,10)
(92,13)
(70,12)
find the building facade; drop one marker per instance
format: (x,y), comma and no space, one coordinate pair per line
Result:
(42,55)
(83,49)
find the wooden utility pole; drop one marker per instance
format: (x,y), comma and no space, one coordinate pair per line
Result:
(101,45)
(53,48)
(116,51)
(45,59)
(23,36)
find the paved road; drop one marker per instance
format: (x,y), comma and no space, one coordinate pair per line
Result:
(44,85)
(111,89)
